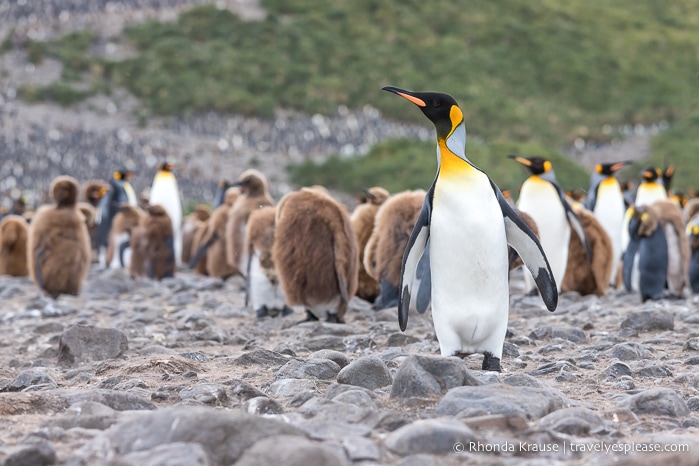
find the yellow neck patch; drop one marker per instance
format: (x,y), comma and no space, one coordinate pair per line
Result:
(450,164)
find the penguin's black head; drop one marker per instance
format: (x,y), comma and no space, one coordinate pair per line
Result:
(123,174)
(651,174)
(441,109)
(166,167)
(609,169)
(536,165)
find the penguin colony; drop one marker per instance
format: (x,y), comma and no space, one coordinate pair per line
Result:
(413,250)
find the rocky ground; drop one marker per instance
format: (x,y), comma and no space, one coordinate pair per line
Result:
(180,372)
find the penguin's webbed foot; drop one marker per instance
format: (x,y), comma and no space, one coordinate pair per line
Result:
(262,312)
(334,319)
(491,363)
(310,317)
(287,311)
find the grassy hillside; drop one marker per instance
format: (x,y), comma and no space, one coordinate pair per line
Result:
(536,73)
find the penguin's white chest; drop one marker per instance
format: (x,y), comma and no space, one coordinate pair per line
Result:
(468,260)
(541,201)
(609,211)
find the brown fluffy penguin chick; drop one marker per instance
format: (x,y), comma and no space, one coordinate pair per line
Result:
(515,260)
(362,219)
(123,224)
(383,254)
(691,209)
(254,194)
(190,225)
(13,246)
(264,292)
(582,275)
(672,221)
(89,214)
(58,244)
(152,243)
(93,190)
(213,245)
(315,252)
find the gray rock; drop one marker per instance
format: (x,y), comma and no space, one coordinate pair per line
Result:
(566,333)
(629,351)
(693,403)
(657,401)
(224,435)
(691,380)
(291,451)
(323,429)
(262,405)
(86,415)
(692,361)
(356,397)
(646,321)
(368,372)
(360,448)
(171,454)
(654,371)
(323,369)
(340,358)
(401,339)
(291,387)
(244,390)
(334,342)
(38,454)
(521,380)
(262,357)
(552,367)
(579,422)
(48,402)
(334,412)
(617,370)
(529,402)
(82,343)
(209,394)
(432,436)
(29,378)
(420,376)
(692,344)
(120,401)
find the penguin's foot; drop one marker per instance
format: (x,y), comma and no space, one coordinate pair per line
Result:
(310,317)
(491,363)
(533,292)
(509,333)
(287,311)
(334,319)
(262,312)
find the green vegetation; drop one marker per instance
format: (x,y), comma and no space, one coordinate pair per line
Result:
(536,73)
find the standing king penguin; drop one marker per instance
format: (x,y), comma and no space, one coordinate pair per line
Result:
(165,192)
(543,199)
(468,224)
(650,189)
(605,199)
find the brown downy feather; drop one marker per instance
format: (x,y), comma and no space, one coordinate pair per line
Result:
(260,237)
(13,246)
(670,217)
(691,209)
(215,238)
(395,220)
(254,194)
(58,244)
(125,221)
(93,190)
(190,225)
(362,219)
(584,276)
(315,251)
(152,245)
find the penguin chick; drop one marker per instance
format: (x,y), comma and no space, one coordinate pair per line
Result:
(165,192)
(693,235)
(119,250)
(646,256)
(93,191)
(264,292)
(584,276)
(670,217)
(152,243)
(190,225)
(395,220)
(213,245)
(58,244)
(13,246)
(691,209)
(254,194)
(362,219)
(315,252)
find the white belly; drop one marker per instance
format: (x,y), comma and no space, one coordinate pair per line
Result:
(609,212)
(262,291)
(468,259)
(542,203)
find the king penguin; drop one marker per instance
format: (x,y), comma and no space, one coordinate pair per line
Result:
(605,200)
(543,199)
(693,236)
(468,224)
(165,192)
(646,256)
(109,205)
(650,189)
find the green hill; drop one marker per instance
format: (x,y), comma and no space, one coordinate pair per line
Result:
(530,76)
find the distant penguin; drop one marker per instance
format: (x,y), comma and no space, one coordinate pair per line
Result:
(693,235)
(395,220)
(315,252)
(670,217)
(220,195)
(190,225)
(93,190)
(165,192)
(119,250)
(263,292)
(13,246)
(362,219)
(543,199)
(605,199)
(152,243)
(651,188)
(200,266)
(254,194)
(59,244)
(646,256)
(213,245)
(584,276)
(108,207)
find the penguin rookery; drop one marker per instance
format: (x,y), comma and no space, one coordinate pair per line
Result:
(467,224)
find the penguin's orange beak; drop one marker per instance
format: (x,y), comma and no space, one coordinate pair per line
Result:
(522,160)
(406,95)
